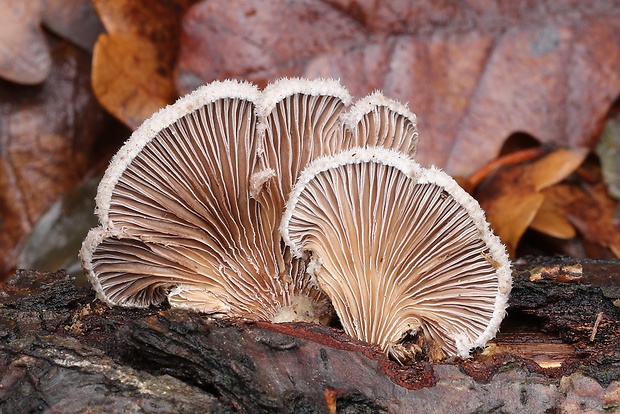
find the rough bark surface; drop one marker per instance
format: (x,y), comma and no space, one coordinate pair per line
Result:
(62,351)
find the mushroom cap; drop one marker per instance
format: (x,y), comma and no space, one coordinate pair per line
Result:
(401,250)
(377,121)
(178,221)
(299,119)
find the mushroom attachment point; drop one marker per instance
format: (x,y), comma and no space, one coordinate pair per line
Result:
(405,254)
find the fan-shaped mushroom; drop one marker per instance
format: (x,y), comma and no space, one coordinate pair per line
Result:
(190,206)
(296,118)
(301,120)
(402,251)
(177,219)
(377,121)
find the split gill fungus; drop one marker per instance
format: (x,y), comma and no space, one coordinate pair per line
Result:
(288,204)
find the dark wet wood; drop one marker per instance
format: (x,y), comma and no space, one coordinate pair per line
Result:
(63,351)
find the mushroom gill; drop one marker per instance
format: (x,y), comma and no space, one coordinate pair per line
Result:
(404,253)
(178,221)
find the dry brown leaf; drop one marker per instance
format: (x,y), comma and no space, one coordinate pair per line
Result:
(25,56)
(133,63)
(608,150)
(553,168)
(74,20)
(512,197)
(551,221)
(47,135)
(474,71)
(24,52)
(587,207)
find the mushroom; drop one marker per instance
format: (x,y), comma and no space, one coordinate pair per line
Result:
(178,222)
(301,120)
(190,206)
(298,120)
(379,121)
(405,254)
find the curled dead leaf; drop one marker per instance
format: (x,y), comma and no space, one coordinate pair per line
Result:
(25,56)
(513,196)
(587,208)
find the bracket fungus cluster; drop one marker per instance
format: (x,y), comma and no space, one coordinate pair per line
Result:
(282,205)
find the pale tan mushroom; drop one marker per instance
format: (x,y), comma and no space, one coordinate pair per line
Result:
(402,251)
(190,206)
(178,222)
(301,120)
(377,121)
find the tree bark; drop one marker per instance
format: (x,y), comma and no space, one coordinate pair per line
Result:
(62,351)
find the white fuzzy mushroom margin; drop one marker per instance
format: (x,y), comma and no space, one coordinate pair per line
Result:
(420,175)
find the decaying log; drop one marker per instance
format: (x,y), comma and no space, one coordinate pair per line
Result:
(62,351)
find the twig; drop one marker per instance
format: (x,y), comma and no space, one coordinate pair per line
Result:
(596,323)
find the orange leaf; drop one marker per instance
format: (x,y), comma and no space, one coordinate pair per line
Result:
(512,197)
(553,168)
(552,221)
(511,214)
(133,63)
(589,208)
(125,78)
